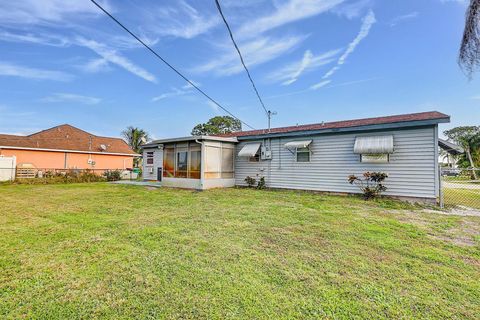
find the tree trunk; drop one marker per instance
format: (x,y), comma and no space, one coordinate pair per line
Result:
(472,164)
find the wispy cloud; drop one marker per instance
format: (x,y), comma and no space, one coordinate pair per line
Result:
(95,65)
(113,56)
(175,92)
(367,23)
(291,72)
(13,70)
(290,11)
(352,9)
(255,52)
(181,21)
(46,11)
(321,84)
(42,39)
(71,97)
(325,83)
(403,17)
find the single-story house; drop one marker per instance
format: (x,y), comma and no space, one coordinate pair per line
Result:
(67,147)
(316,157)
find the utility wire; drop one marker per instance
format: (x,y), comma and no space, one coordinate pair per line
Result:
(169,65)
(240,55)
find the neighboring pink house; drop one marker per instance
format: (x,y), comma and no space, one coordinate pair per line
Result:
(67,147)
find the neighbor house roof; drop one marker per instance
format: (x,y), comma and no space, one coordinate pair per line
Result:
(411,119)
(450,147)
(67,138)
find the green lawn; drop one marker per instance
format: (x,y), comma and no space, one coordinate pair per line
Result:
(463,197)
(85,251)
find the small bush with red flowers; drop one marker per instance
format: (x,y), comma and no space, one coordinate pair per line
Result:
(371,183)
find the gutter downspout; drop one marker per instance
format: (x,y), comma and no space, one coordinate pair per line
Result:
(202,163)
(436,165)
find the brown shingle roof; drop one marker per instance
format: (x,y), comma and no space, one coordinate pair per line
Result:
(66,137)
(422,116)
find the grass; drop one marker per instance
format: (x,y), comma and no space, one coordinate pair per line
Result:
(464,197)
(86,251)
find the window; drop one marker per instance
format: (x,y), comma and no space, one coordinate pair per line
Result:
(195,161)
(227,163)
(169,162)
(250,151)
(149,157)
(184,160)
(181,168)
(212,162)
(303,155)
(255,158)
(375,158)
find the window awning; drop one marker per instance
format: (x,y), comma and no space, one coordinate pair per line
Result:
(249,150)
(373,145)
(298,144)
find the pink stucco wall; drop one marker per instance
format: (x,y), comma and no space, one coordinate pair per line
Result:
(69,160)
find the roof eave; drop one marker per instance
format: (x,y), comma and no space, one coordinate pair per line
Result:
(389,126)
(155,143)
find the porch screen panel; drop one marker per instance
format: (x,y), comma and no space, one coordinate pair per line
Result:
(227,163)
(169,162)
(195,161)
(181,170)
(212,162)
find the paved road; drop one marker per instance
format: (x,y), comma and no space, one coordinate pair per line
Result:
(458,185)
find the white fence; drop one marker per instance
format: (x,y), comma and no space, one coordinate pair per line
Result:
(8,165)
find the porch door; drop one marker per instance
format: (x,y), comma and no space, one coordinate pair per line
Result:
(159,173)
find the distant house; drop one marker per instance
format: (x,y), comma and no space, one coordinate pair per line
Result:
(67,147)
(449,153)
(309,157)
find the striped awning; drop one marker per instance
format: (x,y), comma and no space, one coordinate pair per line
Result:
(373,145)
(298,144)
(249,150)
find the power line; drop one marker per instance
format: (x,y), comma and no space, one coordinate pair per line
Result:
(241,59)
(169,65)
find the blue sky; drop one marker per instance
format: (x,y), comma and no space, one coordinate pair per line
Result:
(63,61)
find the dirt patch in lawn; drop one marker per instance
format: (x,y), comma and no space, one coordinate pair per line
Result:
(462,230)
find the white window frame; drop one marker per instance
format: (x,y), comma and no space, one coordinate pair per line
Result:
(148,157)
(373,161)
(309,155)
(255,158)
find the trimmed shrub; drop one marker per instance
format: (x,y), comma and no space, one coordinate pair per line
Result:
(52,177)
(371,183)
(113,175)
(261,183)
(250,181)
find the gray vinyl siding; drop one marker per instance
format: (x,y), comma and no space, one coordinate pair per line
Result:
(412,166)
(157,163)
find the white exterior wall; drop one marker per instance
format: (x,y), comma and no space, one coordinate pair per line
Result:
(7,168)
(157,163)
(412,168)
(218,183)
(182,183)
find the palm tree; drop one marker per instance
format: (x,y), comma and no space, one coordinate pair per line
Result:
(469,57)
(135,137)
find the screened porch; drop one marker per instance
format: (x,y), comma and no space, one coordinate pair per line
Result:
(195,162)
